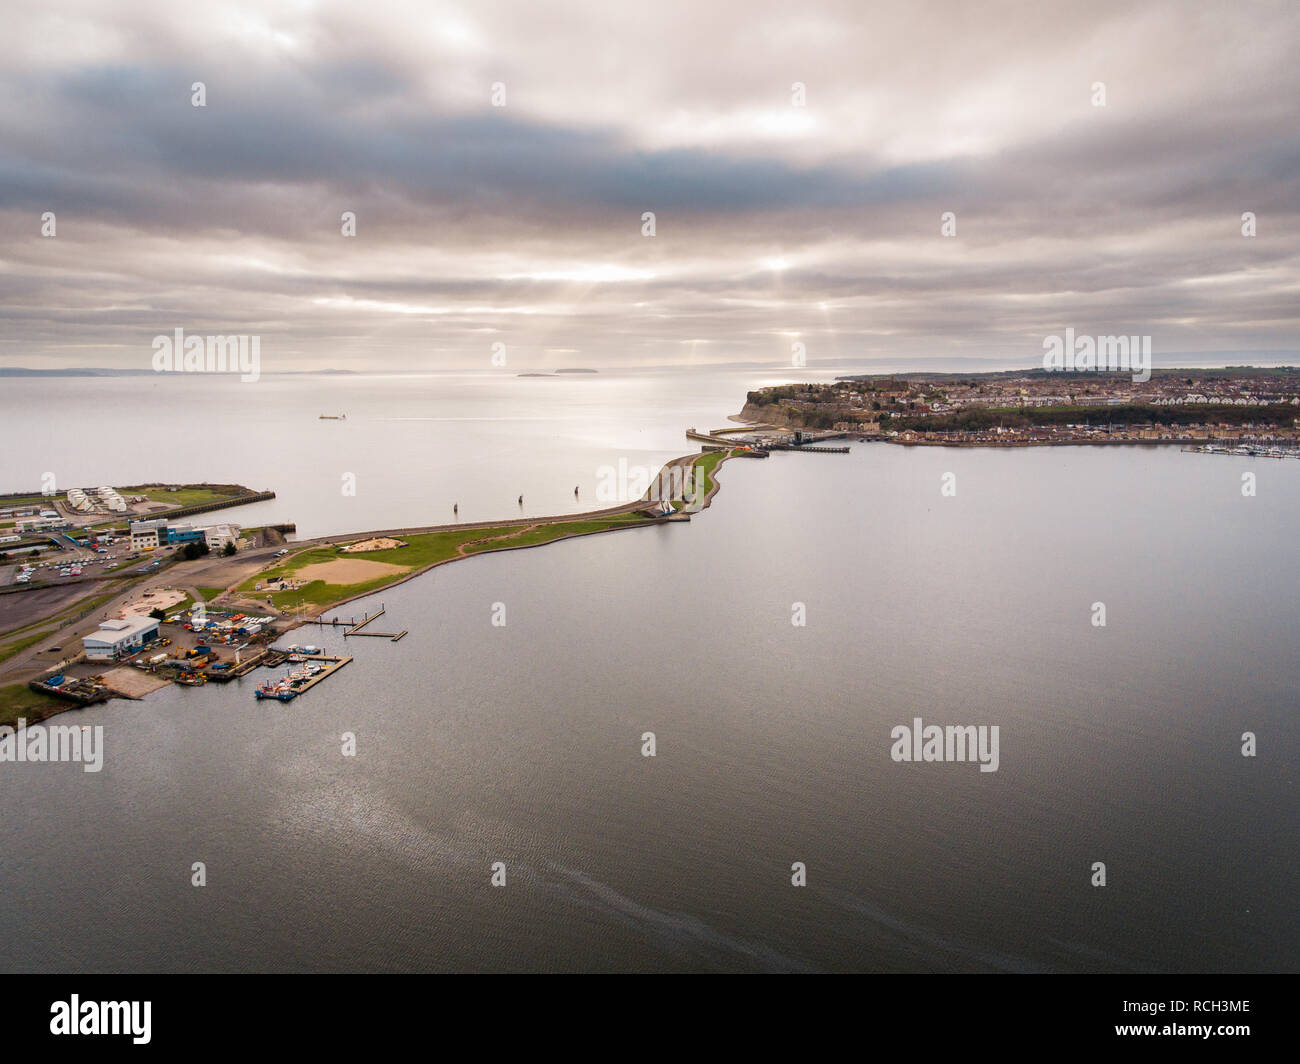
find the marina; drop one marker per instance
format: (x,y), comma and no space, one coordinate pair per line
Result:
(268,657)
(1244,451)
(315,668)
(756,442)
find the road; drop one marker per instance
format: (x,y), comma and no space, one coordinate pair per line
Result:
(220,571)
(205,572)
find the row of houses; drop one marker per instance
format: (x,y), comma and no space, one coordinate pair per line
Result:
(1222,400)
(159,532)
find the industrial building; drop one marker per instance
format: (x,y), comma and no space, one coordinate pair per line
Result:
(183,534)
(111,500)
(117,638)
(42,523)
(146,535)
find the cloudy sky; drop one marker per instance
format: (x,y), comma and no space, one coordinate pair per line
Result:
(777,219)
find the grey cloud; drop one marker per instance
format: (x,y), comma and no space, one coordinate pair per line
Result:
(1100,218)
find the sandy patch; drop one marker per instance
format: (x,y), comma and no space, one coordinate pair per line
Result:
(383,543)
(347,571)
(134,682)
(161,600)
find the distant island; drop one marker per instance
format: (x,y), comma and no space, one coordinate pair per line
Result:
(556,373)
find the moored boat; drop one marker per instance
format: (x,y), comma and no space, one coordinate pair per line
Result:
(278,691)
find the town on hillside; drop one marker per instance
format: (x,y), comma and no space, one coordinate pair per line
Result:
(1022,407)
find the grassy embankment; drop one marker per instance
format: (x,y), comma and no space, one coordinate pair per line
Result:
(422,551)
(189,495)
(8,650)
(549,533)
(19,700)
(705,465)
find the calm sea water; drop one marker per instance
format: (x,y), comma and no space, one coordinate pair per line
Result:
(411,447)
(522,744)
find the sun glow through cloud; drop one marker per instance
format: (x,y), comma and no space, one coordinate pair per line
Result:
(798,162)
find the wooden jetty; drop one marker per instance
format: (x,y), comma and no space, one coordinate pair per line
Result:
(335,663)
(807,447)
(353,627)
(268,657)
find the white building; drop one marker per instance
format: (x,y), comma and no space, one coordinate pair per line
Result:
(146,535)
(158,532)
(217,536)
(110,499)
(116,638)
(38,524)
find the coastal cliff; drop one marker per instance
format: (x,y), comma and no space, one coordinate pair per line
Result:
(771,414)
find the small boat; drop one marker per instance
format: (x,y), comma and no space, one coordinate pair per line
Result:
(280,694)
(333,417)
(280,691)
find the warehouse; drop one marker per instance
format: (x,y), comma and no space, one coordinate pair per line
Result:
(116,638)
